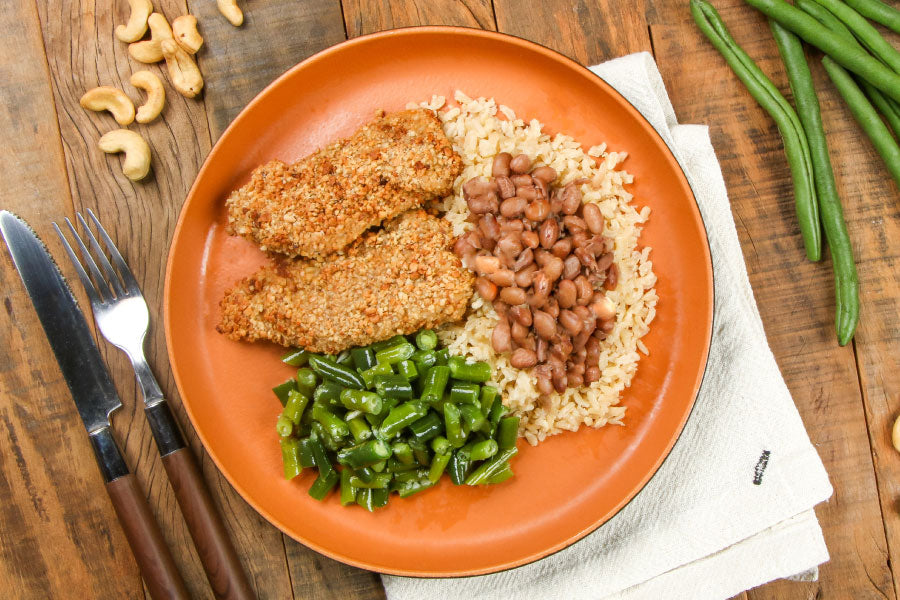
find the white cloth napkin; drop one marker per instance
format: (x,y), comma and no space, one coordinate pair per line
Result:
(731,508)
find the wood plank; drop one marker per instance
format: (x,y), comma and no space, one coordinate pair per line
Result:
(58,526)
(83,52)
(794,296)
(589,32)
(368,16)
(237,63)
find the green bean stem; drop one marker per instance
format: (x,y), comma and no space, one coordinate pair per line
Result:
(768,96)
(830,210)
(878,12)
(847,55)
(864,32)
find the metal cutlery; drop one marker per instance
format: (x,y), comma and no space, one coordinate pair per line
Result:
(95,398)
(122,316)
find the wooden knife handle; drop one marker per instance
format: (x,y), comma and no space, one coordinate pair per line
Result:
(146,541)
(219,559)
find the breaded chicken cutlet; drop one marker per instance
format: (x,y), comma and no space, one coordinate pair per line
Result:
(325,201)
(397,280)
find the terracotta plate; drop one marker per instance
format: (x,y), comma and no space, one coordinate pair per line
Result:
(563,489)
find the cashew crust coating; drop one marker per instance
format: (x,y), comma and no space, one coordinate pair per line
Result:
(183,71)
(137,22)
(137,153)
(156,95)
(186,34)
(111,99)
(230,11)
(150,51)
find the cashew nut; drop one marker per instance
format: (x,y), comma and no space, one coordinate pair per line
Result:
(111,99)
(230,11)
(150,51)
(183,71)
(895,434)
(186,34)
(137,22)
(137,153)
(156,95)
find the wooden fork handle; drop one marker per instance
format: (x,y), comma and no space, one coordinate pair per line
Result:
(217,554)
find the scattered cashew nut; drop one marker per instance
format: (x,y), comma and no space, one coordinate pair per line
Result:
(137,22)
(137,153)
(183,71)
(230,11)
(895,434)
(111,99)
(186,34)
(150,51)
(156,95)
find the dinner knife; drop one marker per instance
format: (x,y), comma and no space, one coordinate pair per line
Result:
(95,398)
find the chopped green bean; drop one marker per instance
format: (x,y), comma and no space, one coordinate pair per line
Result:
(463,392)
(507,432)
(420,452)
(435,383)
(284,426)
(281,390)
(488,395)
(365,499)
(442,356)
(306,454)
(415,486)
(328,392)
(491,467)
(401,416)
(334,425)
(295,406)
(393,386)
(380,497)
(379,480)
(410,475)
(348,492)
(393,341)
(497,412)
(364,455)
(306,381)
(323,461)
(395,466)
(332,371)
(363,358)
(379,466)
(364,473)
(426,339)
(407,369)
(403,453)
(438,466)
(296,358)
(453,425)
(324,437)
(290,456)
(426,428)
(394,354)
(344,358)
(359,429)
(458,467)
(483,450)
(369,375)
(500,476)
(441,445)
(324,484)
(361,400)
(424,359)
(479,372)
(472,420)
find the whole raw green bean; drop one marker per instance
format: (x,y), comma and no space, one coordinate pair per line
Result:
(401,416)
(324,484)
(491,467)
(507,432)
(866,116)
(426,339)
(337,373)
(878,12)
(864,32)
(479,372)
(367,402)
(290,456)
(768,96)
(394,354)
(296,358)
(830,210)
(888,108)
(365,454)
(846,55)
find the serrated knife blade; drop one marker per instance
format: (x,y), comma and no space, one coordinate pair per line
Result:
(63,322)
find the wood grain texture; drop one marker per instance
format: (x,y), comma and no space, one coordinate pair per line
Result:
(794,295)
(238,62)
(589,31)
(369,16)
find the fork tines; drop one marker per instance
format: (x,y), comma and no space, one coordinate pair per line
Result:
(119,279)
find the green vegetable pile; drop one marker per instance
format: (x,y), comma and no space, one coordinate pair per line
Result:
(393,417)
(865,69)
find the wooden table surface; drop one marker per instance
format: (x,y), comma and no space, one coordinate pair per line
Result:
(59,534)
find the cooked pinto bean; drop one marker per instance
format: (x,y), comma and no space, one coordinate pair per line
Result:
(511,225)
(591,374)
(525,258)
(544,324)
(529,192)
(574,223)
(549,233)
(519,333)
(585,291)
(502,277)
(607,326)
(612,277)
(462,245)
(531,239)
(521,163)
(574,380)
(571,267)
(501,339)
(490,228)
(552,307)
(542,187)
(541,284)
(479,187)
(521,180)
(604,261)
(593,217)
(545,173)
(512,295)
(541,349)
(538,210)
(603,307)
(483,204)
(541,257)
(570,321)
(513,206)
(510,244)
(525,277)
(562,248)
(553,268)
(535,300)
(571,199)
(500,168)
(485,265)
(485,288)
(521,314)
(592,351)
(586,258)
(505,187)
(580,239)
(523,358)
(566,293)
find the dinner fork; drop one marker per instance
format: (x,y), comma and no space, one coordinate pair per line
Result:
(123,318)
